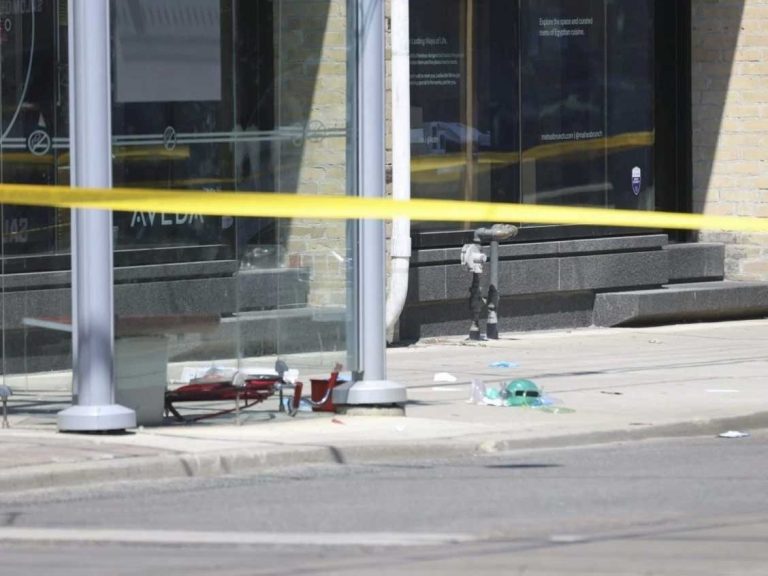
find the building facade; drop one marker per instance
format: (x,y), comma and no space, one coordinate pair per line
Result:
(207,95)
(730,108)
(647,105)
(632,104)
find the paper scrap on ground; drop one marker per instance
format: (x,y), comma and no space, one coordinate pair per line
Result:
(734,434)
(503,364)
(445,377)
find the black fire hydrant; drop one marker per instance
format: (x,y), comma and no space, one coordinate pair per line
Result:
(473,258)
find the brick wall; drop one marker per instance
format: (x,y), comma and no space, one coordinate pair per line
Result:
(311,66)
(730,124)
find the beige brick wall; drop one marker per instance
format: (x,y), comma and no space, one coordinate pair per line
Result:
(730,124)
(311,64)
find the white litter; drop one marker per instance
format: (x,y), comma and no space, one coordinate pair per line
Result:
(568,539)
(190,373)
(477,392)
(445,377)
(733,434)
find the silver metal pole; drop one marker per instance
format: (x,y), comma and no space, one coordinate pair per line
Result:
(373,389)
(91,134)
(372,178)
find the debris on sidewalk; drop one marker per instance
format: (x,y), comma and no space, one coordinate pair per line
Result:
(476,392)
(503,364)
(611,393)
(304,405)
(519,393)
(445,378)
(555,409)
(732,434)
(206,374)
(213,373)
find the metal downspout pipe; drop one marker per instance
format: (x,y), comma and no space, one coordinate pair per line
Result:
(400,243)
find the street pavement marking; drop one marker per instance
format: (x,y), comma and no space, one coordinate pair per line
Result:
(187,537)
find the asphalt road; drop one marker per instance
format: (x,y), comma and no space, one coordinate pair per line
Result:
(695,506)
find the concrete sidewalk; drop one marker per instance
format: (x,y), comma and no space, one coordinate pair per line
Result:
(607,385)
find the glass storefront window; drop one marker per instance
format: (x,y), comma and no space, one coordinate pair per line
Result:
(34,251)
(534,101)
(35,119)
(208,95)
(235,95)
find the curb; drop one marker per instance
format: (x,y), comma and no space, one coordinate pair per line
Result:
(712,427)
(243,460)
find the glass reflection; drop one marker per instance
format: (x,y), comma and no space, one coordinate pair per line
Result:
(549,102)
(265,110)
(631,98)
(208,95)
(563,111)
(442,134)
(35,241)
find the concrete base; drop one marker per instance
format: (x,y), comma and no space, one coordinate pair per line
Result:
(96,419)
(370,393)
(397,411)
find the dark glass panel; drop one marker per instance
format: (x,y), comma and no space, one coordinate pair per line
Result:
(631,138)
(439,130)
(563,102)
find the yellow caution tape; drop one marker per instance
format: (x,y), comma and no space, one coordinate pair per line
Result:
(277,205)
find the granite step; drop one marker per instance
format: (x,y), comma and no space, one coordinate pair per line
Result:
(696,262)
(723,300)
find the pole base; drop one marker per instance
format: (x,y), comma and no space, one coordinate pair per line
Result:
(96,419)
(370,393)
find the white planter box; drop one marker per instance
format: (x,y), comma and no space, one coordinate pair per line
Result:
(141,366)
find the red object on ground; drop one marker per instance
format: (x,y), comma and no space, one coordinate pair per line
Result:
(320,388)
(255,390)
(297,395)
